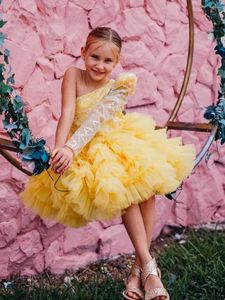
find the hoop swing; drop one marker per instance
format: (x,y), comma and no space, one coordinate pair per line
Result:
(33,151)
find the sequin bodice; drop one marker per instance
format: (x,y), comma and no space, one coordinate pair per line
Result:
(85,103)
(94,109)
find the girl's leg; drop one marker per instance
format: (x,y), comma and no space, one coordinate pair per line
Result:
(134,225)
(148,215)
(133,222)
(139,220)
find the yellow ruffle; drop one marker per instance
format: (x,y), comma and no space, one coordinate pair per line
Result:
(127,162)
(127,81)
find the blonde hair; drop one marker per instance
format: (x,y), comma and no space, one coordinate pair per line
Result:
(104,34)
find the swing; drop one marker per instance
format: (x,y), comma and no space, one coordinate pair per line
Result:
(6,145)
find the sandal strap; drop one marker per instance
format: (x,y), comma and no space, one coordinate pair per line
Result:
(150,269)
(157,292)
(135,271)
(135,290)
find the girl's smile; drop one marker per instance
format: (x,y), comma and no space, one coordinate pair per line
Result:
(100,59)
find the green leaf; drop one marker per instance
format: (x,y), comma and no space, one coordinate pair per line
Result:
(18,104)
(2,22)
(220,6)
(45,156)
(5,89)
(27,157)
(4,103)
(26,136)
(10,79)
(2,39)
(222,122)
(9,126)
(6,56)
(221,72)
(207,3)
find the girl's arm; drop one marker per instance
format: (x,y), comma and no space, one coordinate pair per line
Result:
(68,107)
(62,156)
(114,101)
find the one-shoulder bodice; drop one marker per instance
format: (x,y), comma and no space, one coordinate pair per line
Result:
(86,102)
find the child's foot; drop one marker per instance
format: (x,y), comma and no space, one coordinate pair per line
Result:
(133,281)
(133,285)
(151,280)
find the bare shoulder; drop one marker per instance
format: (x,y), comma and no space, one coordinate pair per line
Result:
(72,76)
(72,73)
(69,83)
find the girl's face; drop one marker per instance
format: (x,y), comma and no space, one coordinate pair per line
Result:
(100,58)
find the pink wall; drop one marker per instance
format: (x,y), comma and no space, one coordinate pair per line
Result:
(45,37)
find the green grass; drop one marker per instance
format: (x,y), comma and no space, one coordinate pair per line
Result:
(192,271)
(196,270)
(109,289)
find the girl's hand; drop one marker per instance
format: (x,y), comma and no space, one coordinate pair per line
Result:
(61,159)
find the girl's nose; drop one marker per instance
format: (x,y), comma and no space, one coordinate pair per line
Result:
(100,65)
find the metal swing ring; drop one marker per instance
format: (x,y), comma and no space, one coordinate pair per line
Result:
(6,145)
(201,127)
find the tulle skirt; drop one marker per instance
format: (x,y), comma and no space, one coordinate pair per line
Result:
(126,162)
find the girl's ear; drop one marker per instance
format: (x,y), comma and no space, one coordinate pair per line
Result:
(82,50)
(118,60)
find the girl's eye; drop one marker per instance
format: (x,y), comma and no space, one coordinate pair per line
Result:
(108,60)
(95,56)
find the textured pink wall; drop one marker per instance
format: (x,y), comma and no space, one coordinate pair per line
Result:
(45,37)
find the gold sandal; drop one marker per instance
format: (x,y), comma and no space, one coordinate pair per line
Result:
(135,271)
(151,269)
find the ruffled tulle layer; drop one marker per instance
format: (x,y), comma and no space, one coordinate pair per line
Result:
(127,162)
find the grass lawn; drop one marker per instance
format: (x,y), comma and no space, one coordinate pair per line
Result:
(192,270)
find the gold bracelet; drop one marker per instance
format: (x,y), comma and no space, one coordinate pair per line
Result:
(70,148)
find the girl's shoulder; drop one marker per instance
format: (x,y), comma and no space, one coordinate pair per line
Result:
(73,77)
(72,71)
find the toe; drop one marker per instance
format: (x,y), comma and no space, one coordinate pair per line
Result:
(133,296)
(136,297)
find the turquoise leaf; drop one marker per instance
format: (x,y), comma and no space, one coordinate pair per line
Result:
(26,136)
(45,156)
(2,22)
(18,104)
(9,126)
(220,6)
(22,146)
(2,39)
(27,157)
(6,56)
(4,88)
(10,79)
(221,73)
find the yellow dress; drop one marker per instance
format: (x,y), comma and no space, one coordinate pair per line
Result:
(125,162)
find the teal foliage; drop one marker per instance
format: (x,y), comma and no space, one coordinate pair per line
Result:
(14,117)
(2,39)
(214,11)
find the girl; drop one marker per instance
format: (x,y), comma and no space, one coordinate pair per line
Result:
(109,163)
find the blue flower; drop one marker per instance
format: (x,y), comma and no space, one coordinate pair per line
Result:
(220,50)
